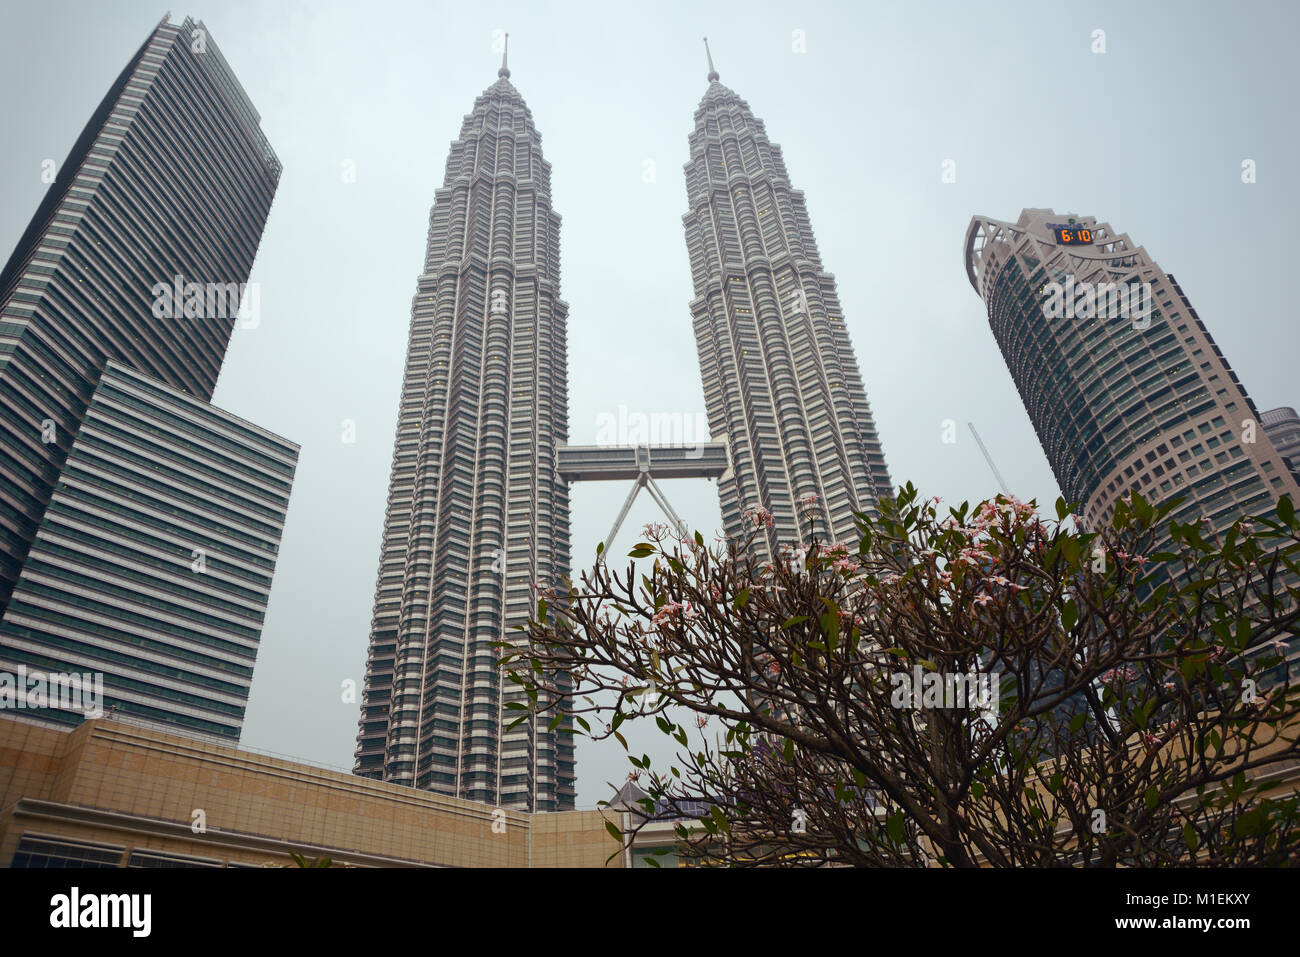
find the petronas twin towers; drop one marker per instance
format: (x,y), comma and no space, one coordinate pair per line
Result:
(478,513)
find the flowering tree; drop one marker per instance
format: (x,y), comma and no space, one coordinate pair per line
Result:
(984,687)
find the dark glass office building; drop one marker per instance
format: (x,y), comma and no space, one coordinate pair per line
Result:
(1134,397)
(138,524)
(172,177)
(153,563)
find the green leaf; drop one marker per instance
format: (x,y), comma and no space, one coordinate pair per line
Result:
(894,826)
(1285,510)
(699,539)
(793,621)
(1152,797)
(1251,822)
(614,831)
(742,598)
(1069,614)
(641,551)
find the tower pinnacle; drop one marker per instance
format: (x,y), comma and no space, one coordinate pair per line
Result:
(713,74)
(505,70)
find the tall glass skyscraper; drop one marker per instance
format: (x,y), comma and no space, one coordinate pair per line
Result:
(138,524)
(172,177)
(1125,386)
(781,382)
(477,515)
(153,562)
(1283,427)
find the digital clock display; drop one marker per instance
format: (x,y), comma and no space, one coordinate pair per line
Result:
(1073,236)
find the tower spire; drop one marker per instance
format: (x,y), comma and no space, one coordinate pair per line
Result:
(505,53)
(713,74)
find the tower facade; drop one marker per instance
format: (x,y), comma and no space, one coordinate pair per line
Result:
(170,182)
(152,564)
(477,514)
(1123,383)
(139,525)
(781,382)
(1283,427)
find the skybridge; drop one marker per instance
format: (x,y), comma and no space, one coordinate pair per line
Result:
(642,464)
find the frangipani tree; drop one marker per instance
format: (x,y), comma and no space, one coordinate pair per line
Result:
(981,687)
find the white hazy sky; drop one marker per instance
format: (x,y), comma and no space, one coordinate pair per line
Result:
(1149,136)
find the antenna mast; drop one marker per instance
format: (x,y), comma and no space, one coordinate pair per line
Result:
(988,458)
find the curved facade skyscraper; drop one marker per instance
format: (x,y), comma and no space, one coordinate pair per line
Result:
(477,514)
(1283,427)
(781,382)
(1123,383)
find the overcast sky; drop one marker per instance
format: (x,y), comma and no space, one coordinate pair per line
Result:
(1149,135)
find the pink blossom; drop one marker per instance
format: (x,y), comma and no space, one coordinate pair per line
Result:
(702,720)
(670,610)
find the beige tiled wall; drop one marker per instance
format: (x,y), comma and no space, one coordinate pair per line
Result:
(114,766)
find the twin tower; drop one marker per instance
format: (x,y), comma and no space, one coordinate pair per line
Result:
(478,503)
(478,507)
